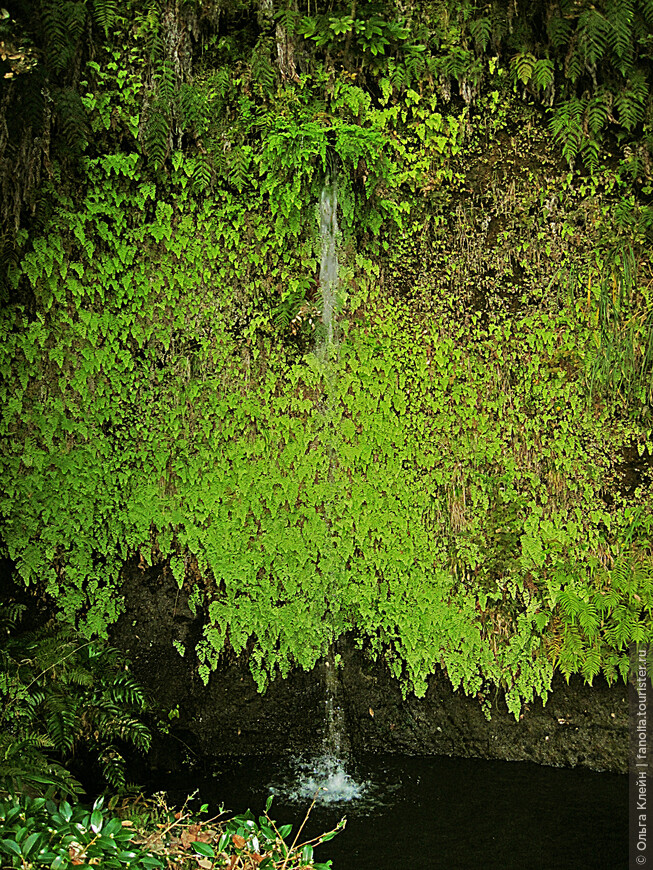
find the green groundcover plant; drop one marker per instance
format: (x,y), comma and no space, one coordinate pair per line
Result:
(39,833)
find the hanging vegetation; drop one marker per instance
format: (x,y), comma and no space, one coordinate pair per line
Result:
(447,483)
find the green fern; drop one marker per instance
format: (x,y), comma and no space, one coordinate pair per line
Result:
(58,694)
(222,81)
(203,174)
(105,13)
(239,163)
(481,30)
(646,8)
(415,64)
(567,127)
(194,109)
(630,102)
(543,74)
(157,133)
(575,65)
(263,71)
(288,18)
(597,112)
(523,66)
(620,16)
(560,31)
(398,75)
(57,42)
(593,31)
(165,81)
(71,118)
(589,151)
(75,19)
(25,766)
(458,63)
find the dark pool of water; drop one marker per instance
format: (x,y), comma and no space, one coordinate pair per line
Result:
(437,812)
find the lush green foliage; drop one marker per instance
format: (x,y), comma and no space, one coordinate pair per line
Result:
(446,482)
(37,833)
(61,694)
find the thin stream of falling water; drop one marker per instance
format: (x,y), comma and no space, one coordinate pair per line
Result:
(326,777)
(329,255)
(336,742)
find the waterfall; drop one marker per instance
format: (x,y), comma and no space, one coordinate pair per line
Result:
(329,255)
(336,743)
(325,778)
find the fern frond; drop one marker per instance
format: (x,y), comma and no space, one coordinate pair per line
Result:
(571,651)
(61,729)
(620,17)
(481,30)
(202,174)
(559,30)
(646,8)
(193,109)
(71,118)
(59,691)
(415,64)
(597,112)
(57,43)
(593,30)
(10,615)
(157,134)
(570,603)
(288,18)
(398,76)
(166,82)
(222,81)
(458,63)
(567,127)
(522,66)
(588,618)
(125,690)
(113,722)
(591,665)
(543,74)
(113,767)
(239,163)
(105,13)
(630,102)
(75,18)
(263,71)
(575,64)
(24,766)
(590,153)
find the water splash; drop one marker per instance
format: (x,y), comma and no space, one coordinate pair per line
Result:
(329,258)
(326,778)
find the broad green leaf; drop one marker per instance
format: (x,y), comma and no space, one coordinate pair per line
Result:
(205,849)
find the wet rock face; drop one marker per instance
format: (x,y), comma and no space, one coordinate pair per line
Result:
(579,725)
(229,715)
